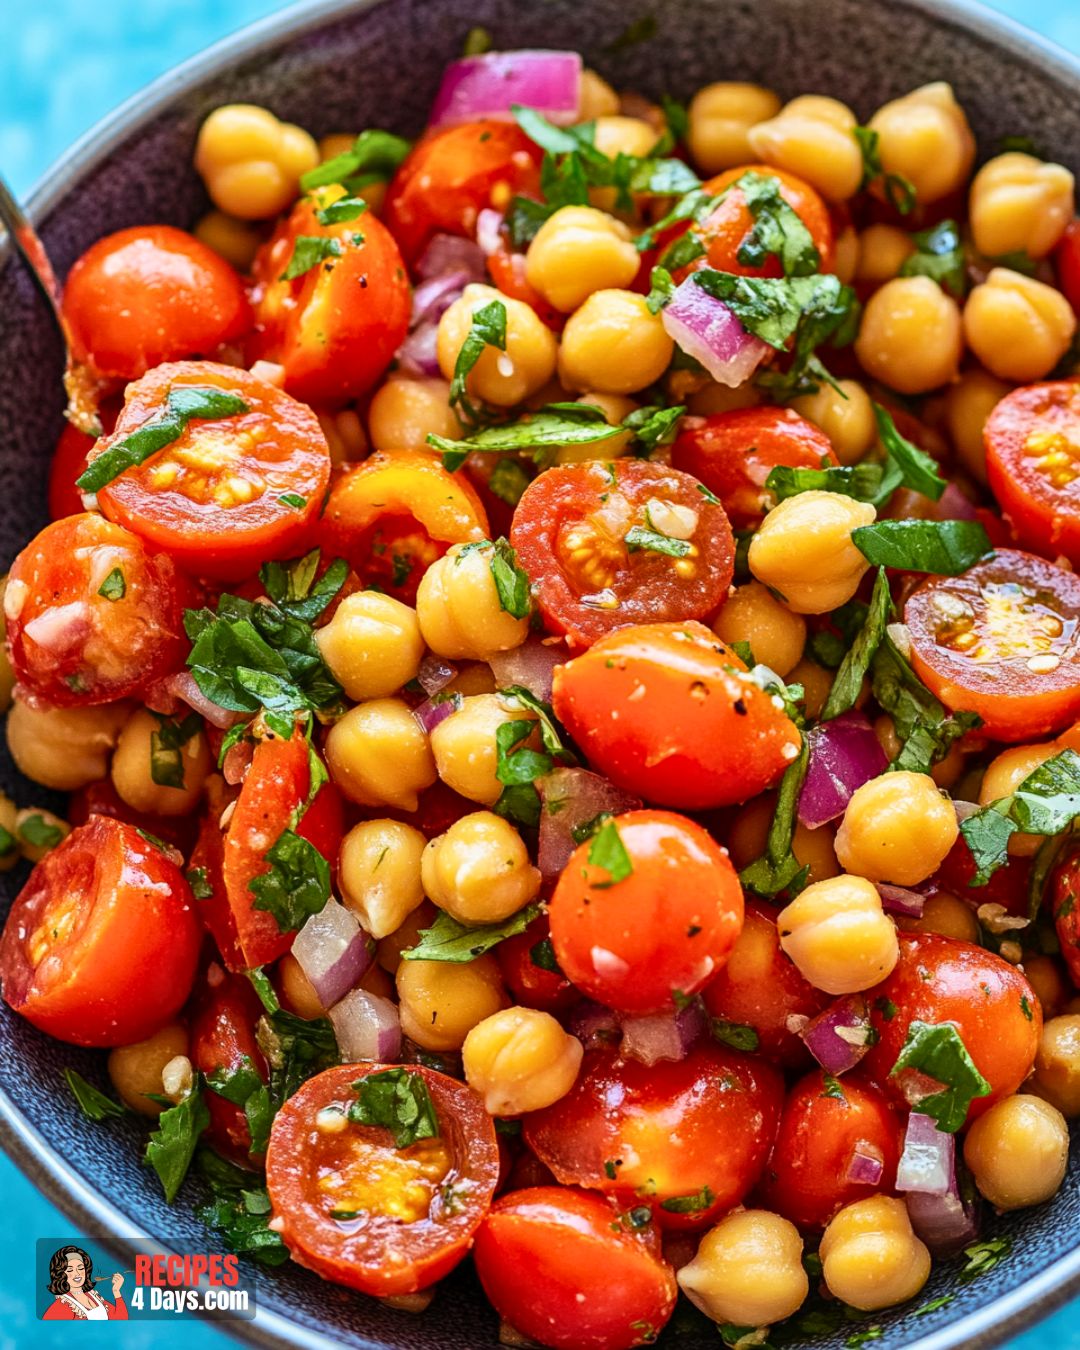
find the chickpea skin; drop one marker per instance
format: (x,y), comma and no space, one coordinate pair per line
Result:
(502,378)
(897,827)
(911,336)
(838,935)
(373,645)
(378,755)
(1057,1063)
(251,162)
(1019,328)
(945,914)
(596,97)
(234,240)
(846,416)
(776,636)
(479,870)
(520,1060)
(577,251)
(720,118)
(404,412)
(968,404)
(441,1001)
(813,136)
(1018,1151)
(804,550)
(883,250)
(925,138)
(141,750)
(379,874)
(297,992)
(459,609)
(1003,776)
(136,1069)
(1020,204)
(64,748)
(465,750)
(748,1270)
(613,345)
(871,1257)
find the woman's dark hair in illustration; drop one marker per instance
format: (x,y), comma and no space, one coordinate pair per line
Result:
(58,1279)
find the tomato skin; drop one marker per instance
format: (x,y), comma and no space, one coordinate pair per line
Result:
(1067,262)
(68,644)
(661,711)
(336,327)
(197,516)
(663,930)
(452,175)
(226,1009)
(561,1269)
(761,987)
(150,294)
(806,1178)
(732,453)
(102,799)
(677,1126)
(569,531)
(1008,599)
(939,979)
(69,462)
(1065,898)
(507,272)
(115,939)
(725,229)
(532,985)
(424,1250)
(1007,886)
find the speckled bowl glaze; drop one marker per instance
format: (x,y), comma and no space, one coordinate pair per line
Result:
(334,66)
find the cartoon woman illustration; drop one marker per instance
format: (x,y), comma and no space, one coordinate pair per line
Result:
(71,1279)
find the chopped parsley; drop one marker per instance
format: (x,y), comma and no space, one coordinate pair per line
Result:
(309,251)
(243,1085)
(982,1257)
(488,330)
(508,481)
(199,881)
(296,885)
(922,726)
(735,1034)
(344,209)
(638,537)
(936,1050)
(167,743)
(689,1204)
(608,852)
(939,255)
(172,1145)
(778,229)
(39,832)
(399,1100)
(114,587)
(847,683)
(94,1104)
(511,580)
(239,1208)
(899,191)
(1046,803)
(448,940)
(374,158)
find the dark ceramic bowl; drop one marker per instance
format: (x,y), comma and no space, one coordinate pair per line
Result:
(333,65)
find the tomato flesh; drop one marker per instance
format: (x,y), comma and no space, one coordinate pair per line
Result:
(1066,913)
(226,1009)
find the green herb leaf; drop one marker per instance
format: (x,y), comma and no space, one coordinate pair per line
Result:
(661,289)
(638,538)
(933,1305)
(861,481)
(899,190)
(1046,803)
(918,470)
(945,548)
(508,481)
(982,1257)
(542,954)
(923,727)
(778,229)
(511,581)
(831,1086)
(243,1085)
(198,880)
(374,158)
(172,1145)
(294,500)
(488,330)
(551,734)
(167,743)
(937,1051)
(239,1209)
(94,1105)
(773,308)
(689,1204)
(114,586)
(296,1048)
(939,255)
(847,684)
(653,426)
(38,832)
(448,940)
(552,427)
(398,1100)
(735,1034)
(344,209)
(778,869)
(297,590)
(609,853)
(296,885)
(309,251)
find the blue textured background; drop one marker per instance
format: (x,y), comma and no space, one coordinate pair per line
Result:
(63,64)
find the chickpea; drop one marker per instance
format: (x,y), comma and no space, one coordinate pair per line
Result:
(883,250)
(871,1257)
(337,143)
(615,409)
(1019,204)
(250,162)
(502,378)
(846,253)
(136,1069)
(803,550)
(465,750)
(479,870)
(9,844)
(925,137)
(1003,776)
(1018,1151)
(64,748)
(945,772)
(776,636)
(838,935)
(816,682)
(577,251)
(1046,977)
(898,827)
(721,116)
(911,336)
(297,992)
(405,411)
(520,1060)
(459,609)
(968,403)
(619,135)
(945,914)
(749,830)
(379,756)
(1057,1063)
(376,981)
(379,874)
(596,98)
(142,750)
(612,344)
(714,398)
(343,430)
(388,952)
(234,240)
(845,416)
(1018,327)
(372,645)
(474,677)
(813,136)
(441,1001)
(748,1270)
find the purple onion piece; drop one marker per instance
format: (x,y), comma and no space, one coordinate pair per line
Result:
(532,665)
(667,1035)
(844,754)
(435,674)
(489,85)
(333,952)
(928,1162)
(451,253)
(433,298)
(901,900)
(435,710)
(592,1024)
(948,1222)
(417,354)
(865,1169)
(367,1028)
(571,798)
(839,1037)
(707,329)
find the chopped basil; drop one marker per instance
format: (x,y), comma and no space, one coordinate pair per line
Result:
(933,1305)
(939,255)
(373,158)
(689,1204)
(550,733)
(772,308)
(558,424)
(243,1085)
(239,1208)
(92,1103)
(518,767)
(172,1145)
(511,581)
(183,404)
(899,191)
(735,1034)
(448,940)
(831,1086)
(156,842)
(982,1257)
(653,426)
(677,117)
(858,1339)
(8,842)
(608,852)
(778,229)
(681,252)
(344,209)
(294,589)
(114,586)
(936,1050)
(923,727)
(293,499)
(309,251)
(295,1048)
(661,289)
(167,743)
(39,832)
(847,683)
(199,881)
(296,885)
(945,548)
(638,538)
(398,1100)
(488,330)
(542,955)
(918,470)
(778,869)
(508,481)
(861,481)
(1046,803)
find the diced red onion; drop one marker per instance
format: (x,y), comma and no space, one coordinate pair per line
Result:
(839,1037)
(965,809)
(928,1163)
(418,354)
(954,505)
(489,230)
(60,626)
(900,900)
(572,797)
(592,1024)
(707,329)
(532,665)
(451,253)
(488,85)
(946,1223)
(865,1169)
(433,298)
(237,761)
(435,710)
(435,674)
(367,1028)
(659,1036)
(844,754)
(333,952)
(184,687)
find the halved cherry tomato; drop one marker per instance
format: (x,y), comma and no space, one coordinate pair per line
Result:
(334,328)
(591,537)
(760,987)
(101,799)
(101,943)
(733,453)
(532,984)
(412,1211)
(1067,262)
(151,294)
(228,492)
(1066,911)
(398,512)
(992,1006)
(828,1125)
(69,643)
(641,941)
(452,175)
(687,1137)
(665,710)
(1001,641)
(563,1268)
(274,789)
(225,1012)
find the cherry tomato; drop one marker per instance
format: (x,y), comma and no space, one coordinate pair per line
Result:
(1001,641)
(69,462)
(151,294)
(666,711)
(101,943)
(452,175)
(992,1006)
(1067,262)
(761,988)
(101,799)
(412,1212)
(1007,886)
(732,453)
(226,1010)
(398,512)
(275,787)
(69,643)
(507,271)
(563,1268)
(688,1137)
(591,537)
(639,931)
(334,328)
(828,1126)
(1066,912)
(228,492)
(532,984)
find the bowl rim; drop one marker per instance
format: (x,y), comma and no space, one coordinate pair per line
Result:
(981,1329)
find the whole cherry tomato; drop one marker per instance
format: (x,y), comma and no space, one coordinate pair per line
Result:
(101,799)
(527,962)
(1067,261)
(1065,901)
(226,1010)
(69,462)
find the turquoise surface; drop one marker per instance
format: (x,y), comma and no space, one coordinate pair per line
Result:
(63,65)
